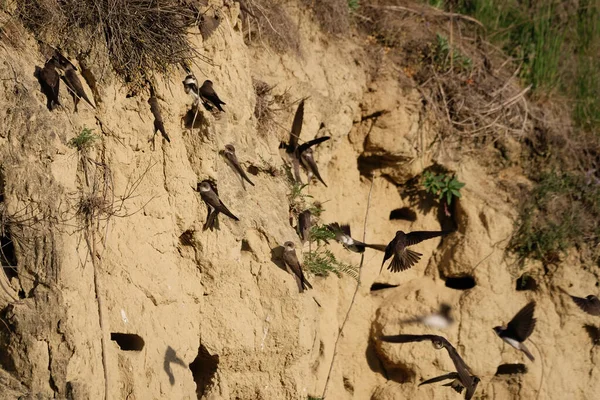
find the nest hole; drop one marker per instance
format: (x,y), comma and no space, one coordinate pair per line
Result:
(253,170)
(381,286)
(187,238)
(204,368)
(246,245)
(526,282)
(404,213)
(511,369)
(8,257)
(128,341)
(465,282)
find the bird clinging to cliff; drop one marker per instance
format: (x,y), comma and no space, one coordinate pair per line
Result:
(210,195)
(73,83)
(308,162)
(519,329)
(343,236)
(209,96)
(304,225)
(403,257)
(190,85)
(293,265)
(50,82)
(462,378)
(438,320)
(229,154)
(295,152)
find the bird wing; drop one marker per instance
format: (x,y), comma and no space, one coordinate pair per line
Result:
(418,236)
(304,224)
(297,126)
(311,143)
(522,324)
(389,251)
(410,338)
(346,229)
(450,375)
(380,247)
(591,307)
(461,367)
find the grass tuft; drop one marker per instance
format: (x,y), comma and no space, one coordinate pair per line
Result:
(84,141)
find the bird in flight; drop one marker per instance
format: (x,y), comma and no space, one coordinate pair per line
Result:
(405,258)
(519,329)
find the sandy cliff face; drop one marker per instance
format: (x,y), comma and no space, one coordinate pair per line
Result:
(210,314)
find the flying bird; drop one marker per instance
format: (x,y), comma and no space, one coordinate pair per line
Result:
(462,378)
(438,320)
(519,329)
(304,225)
(295,152)
(589,304)
(208,95)
(49,80)
(293,265)
(454,384)
(229,154)
(210,195)
(190,85)
(343,236)
(74,84)
(405,258)
(158,121)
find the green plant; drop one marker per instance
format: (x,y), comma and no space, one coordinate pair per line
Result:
(444,56)
(84,140)
(444,186)
(322,261)
(320,233)
(353,5)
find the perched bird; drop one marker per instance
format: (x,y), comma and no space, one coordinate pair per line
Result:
(208,95)
(304,225)
(74,84)
(229,154)
(308,162)
(190,85)
(403,257)
(50,82)
(343,236)
(293,265)
(155,109)
(462,378)
(590,304)
(210,195)
(519,328)
(438,320)
(294,151)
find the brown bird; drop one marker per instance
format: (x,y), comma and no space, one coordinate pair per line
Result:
(229,154)
(74,84)
(308,162)
(210,195)
(343,236)
(519,329)
(590,304)
(304,225)
(208,95)
(293,265)
(403,257)
(462,378)
(294,151)
(155,109)
(50,82)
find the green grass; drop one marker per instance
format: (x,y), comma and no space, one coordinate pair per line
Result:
(353,5)
(84,140)
(562,212)
(322,261)
(320,233)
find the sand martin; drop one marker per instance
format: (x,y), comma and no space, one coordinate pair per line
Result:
(455,384)
(229,154)
(304,225)
(438,320)
(155,109)
(343,236)
(190,85)
(403,257)
(519,328)
(210,195)
(74,84)
(461,378)
(294,267)
(295,152)
(308,162)
(50,82)
(590,304)
(208,95)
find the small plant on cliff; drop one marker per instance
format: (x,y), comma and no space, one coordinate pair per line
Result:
(320,233)
(322,261)
(444,56)
(444,186)
(84,140)
(353,5)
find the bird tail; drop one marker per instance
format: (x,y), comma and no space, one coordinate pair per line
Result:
(525,350)
(404,261)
